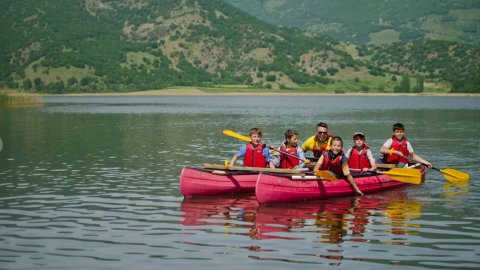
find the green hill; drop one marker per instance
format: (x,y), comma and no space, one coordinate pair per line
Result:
(93,45)
(374,21)
(114,46)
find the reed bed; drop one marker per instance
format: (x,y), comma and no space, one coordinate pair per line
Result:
(19,99)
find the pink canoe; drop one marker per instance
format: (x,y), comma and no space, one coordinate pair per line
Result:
(275,188)
(198,182)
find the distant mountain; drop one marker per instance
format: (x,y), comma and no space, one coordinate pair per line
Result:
(374,21)
(100,45)
(123,45)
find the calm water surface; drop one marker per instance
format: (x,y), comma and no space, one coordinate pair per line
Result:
(92,183)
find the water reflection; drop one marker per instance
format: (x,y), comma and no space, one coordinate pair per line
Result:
(454,188)
(331,221)
(399,215)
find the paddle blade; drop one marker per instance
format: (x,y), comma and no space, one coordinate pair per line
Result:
(326,175)
(454,175)
(412,176)
(329,143)
(236,135)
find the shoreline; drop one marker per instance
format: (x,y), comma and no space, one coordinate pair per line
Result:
(198,92)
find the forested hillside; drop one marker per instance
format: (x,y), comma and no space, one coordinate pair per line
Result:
(456,63)
(107,46)
(92,45)
(374,21)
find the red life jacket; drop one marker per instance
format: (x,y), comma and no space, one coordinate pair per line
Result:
(254,156)
(317,151)
(359,160)
(288,162)
(334,165)
(398,146)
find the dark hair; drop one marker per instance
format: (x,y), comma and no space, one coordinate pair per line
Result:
(398,126)
(289,133)
(322,124)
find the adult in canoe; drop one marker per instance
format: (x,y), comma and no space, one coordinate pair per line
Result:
(398,149)
(254,153)
(318,142)
(334,160)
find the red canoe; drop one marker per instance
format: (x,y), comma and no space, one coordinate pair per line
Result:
(275,188)
(198,182)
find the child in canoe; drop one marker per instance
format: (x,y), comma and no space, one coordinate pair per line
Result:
(398,150)
(290,155)
(254,154)
(335,161)
(360,157)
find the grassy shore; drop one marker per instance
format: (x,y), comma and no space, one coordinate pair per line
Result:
(19,98)
(228,90)
(10,98)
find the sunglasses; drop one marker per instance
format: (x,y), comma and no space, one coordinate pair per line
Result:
(322,132)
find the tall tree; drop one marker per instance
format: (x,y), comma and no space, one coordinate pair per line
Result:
(405,84)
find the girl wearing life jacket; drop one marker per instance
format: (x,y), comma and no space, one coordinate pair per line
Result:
(335,161)
(255,154)
(360,157)
(290,154)
(398,150)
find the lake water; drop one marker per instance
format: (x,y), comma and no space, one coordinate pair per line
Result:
(92,183)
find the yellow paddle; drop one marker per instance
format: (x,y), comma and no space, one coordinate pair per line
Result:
(247,139)
(407,175)
(236,135)
(328,144)
(453,175)
(449,174)
(327,175)
(412,176)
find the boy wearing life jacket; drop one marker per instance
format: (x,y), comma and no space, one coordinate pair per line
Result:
(360,157)
(290,154)
(335,161)
(318,142)
(255,154)
(398,149)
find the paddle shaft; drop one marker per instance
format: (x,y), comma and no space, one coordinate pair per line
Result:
(413,160)
(255,169)
(247,139)
(449,174)
(287,154)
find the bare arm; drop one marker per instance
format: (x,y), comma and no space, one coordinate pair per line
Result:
(373,164)
(271,165)
(420,159)
(389,151)
(384,150)
(348,176)
(234,159)
(319,163)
